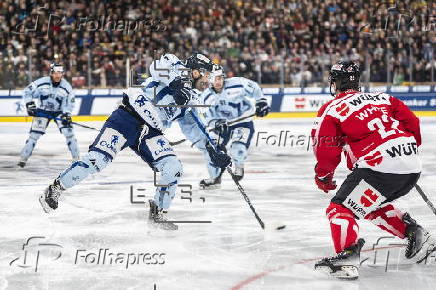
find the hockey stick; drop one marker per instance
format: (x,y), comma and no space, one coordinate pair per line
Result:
(229,170)
(425,198)
(230,123)
(59,119)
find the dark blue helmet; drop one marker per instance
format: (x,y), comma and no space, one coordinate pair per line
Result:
(199,62)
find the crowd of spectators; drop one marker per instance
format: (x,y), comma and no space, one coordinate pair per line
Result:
(271,41)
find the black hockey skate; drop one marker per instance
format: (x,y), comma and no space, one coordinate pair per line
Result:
(158,217)
(211,183)
(49,199)
(344,265)
(420,243)
(22,162)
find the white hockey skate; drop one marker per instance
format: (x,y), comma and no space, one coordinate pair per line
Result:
(420,243)
(344,265)
(158,217)
(49,199)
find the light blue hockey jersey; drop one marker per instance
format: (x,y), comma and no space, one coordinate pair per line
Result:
(154,102)
(50,98)
(237,100)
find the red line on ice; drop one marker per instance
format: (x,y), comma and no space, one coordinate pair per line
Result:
(250,279)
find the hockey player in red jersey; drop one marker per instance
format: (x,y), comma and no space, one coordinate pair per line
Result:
(379,136)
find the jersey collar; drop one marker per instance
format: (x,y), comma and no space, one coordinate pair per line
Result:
(343,94)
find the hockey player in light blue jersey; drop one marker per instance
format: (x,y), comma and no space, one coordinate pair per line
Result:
(55,98)
(231,99)
(139,124)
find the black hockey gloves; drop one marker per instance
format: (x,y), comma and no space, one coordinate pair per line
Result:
(262,108)
(218,158)
(66,119)
(31,108)
(180,89)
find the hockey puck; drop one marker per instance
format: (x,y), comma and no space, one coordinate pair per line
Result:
(280,227)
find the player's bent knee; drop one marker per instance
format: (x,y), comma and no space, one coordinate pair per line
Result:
(171,168)
(79,170)
(35,136)
(97,160)
(238,151)
(335,210)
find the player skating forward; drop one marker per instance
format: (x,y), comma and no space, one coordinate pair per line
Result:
(55,102)
(380,137)
(139,124)
(231,99)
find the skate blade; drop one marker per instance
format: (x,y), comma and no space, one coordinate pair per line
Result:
(168,226)
(44,205)
(345,272)
(210,187)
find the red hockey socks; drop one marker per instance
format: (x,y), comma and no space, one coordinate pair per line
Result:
(343,226)
(389,219)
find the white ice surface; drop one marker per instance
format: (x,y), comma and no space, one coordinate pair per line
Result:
(232,252)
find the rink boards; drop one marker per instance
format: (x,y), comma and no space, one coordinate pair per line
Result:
(97,104)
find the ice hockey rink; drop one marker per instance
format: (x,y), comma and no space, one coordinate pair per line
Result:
(228,250)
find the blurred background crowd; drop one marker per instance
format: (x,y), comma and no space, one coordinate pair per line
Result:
(287,42)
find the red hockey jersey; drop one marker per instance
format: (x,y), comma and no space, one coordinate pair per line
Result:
(375,130)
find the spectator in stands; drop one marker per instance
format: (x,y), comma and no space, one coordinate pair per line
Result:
(247,37)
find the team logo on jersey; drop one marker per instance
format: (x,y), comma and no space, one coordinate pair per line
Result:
(343,109)
(114,140)
(140,100)
(159,147)
(374,159)
(110,141)
(161,142)
(368,198)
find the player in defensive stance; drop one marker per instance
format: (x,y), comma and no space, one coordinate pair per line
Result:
(231,99)
(55,101)
(380,137)
(139,124)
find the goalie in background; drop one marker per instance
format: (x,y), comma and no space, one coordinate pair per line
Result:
(55,102)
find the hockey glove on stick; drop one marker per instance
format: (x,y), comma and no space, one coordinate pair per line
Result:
(325,183)
(262,108)
(180,89)
(220,127)
(218,158)
(66,119)
(31,108)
